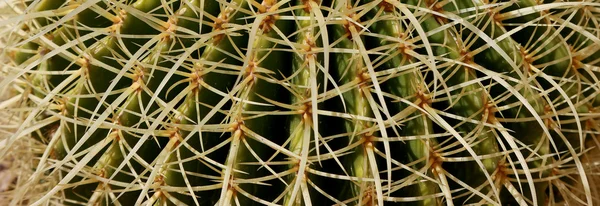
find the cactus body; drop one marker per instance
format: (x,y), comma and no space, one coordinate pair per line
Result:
(302,102)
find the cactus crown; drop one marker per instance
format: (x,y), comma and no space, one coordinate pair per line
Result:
(299,102)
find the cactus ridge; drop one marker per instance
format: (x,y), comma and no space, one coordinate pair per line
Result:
(300,102)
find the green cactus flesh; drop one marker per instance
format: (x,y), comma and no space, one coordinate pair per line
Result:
(301,102)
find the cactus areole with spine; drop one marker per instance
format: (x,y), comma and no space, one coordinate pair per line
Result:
(299,102)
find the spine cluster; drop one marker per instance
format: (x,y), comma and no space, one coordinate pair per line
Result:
(300,102)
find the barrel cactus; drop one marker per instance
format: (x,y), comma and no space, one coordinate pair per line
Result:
(299,102)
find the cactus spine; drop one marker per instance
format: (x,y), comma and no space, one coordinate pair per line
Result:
(302,102)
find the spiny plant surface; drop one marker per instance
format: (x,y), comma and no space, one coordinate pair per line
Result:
(300,102)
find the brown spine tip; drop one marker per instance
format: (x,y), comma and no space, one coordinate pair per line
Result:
(490,110)
(169,28)
(160,179)
(43,51)
(250,69)
(436,160)
(222,19)
(119,19)
(269,21)
(467,56)
(404,48)
(12,55)
(307,5)
(386,6)
(548,121)
(496,17)
(306,111)
(438,7)
(308,46)
(424,97)
(500,172)
(368,140)
(348,24)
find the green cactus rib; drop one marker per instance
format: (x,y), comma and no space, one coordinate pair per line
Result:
(584,52)
(559,59)
(585,45)
(199,102)
(305,81)
(203,79)
(130,117)
(84,107)
(247,129)
(74,135)
(350,68)
(494,60)
(468,101)
(553,60)
(60,37)
(553,56)
(410,84)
